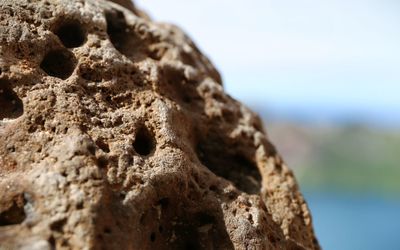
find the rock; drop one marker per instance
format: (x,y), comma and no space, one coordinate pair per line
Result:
(116,133)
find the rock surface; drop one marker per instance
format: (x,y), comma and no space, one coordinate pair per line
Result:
(116,133)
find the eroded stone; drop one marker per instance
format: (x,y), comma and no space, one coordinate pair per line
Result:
(116,133)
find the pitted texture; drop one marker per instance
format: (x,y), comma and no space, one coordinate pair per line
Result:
(116,133)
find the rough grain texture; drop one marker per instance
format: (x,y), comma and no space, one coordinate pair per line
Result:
(115,133)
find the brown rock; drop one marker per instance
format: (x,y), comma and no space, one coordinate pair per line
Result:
(115,133)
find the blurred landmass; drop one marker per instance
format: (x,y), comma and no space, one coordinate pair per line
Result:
(348,168)
(340,157)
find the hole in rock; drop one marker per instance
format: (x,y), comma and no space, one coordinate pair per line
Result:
(225,162)
(15,213)
(59,63)
(153,237)
(102,145)
(52,242)
(58,225)
(196,233)
(102,162)
(164,202)
(197,230)
(144,143)
(204,219)
(71,33)
(11,106)
(188,237)
(118,31)
(107,230)
(192,243)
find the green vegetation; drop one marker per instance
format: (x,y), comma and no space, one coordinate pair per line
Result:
(348,158)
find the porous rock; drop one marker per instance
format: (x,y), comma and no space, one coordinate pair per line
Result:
(116,133)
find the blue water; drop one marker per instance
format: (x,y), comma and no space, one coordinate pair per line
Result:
(351,222)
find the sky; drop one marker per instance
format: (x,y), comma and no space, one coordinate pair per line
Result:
(320,61)
(301,59)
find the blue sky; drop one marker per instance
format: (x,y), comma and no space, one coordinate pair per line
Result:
(316,59)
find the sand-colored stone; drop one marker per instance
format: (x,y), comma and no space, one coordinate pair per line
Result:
(116,133)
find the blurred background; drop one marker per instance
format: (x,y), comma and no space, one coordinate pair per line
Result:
(325,77)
